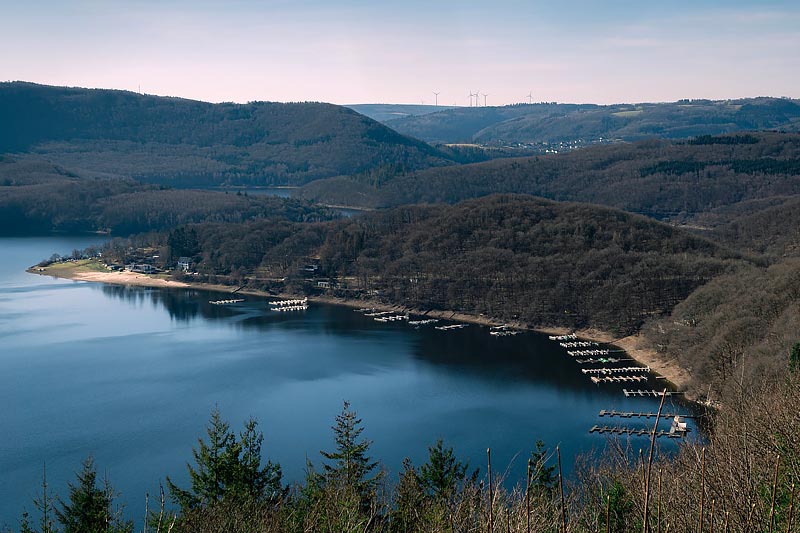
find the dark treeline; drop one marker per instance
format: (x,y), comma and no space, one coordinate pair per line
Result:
(509,257)
(737,328)
(188,143)
(742,479)
(770,227)
(37,197)
(555,123)
(656,178)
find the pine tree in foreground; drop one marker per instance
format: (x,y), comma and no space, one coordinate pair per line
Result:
(90,508)
(349,463)
(227,468)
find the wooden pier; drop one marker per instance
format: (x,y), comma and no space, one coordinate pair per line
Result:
(633,414)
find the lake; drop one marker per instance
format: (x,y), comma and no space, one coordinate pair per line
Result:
(130,375)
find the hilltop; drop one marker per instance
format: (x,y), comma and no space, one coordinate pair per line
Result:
(579,125)
(196,144)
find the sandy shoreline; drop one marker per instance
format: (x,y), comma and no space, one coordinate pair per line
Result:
(636,346)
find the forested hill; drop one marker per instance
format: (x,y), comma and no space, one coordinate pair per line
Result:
(663,179)
(587,123)
(37,197)
(507,256)
(189,143)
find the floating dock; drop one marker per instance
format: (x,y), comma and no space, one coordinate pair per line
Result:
(578,353)
(578,344)
(622,370)
(617,379)
(653,393)
(603,360)
(290,303)
(285,308)
(224,302)
(633,414)
(638,432)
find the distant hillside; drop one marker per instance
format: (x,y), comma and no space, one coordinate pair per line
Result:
(587,123)
(189,143)
(663,179)
(37,197)
(385,112)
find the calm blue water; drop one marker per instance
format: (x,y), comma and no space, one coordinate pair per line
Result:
(130,375)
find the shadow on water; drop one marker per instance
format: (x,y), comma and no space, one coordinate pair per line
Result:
(527,358)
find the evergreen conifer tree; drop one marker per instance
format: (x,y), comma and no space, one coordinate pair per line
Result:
(409,501)
(250,479)
(543,477)
(215,461)
(44,503)
(227,468)
(442,473)
(349,463)
(89,509)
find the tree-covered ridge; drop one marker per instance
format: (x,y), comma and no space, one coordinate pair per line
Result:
(662,179)
(554,123)
(185,142)
(37,197)
(738,327)
(509,257)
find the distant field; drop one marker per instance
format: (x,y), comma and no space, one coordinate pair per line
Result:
(624,114)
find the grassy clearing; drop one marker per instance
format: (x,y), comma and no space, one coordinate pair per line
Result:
(627,114)
(82,265)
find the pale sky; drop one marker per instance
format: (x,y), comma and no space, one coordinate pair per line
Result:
(384,51)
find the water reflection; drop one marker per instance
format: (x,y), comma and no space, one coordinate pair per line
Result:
(528,358)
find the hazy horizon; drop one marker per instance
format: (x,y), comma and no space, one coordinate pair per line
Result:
(357,52)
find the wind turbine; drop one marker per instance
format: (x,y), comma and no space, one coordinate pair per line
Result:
(484,99)
(530,98)
(436,96)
